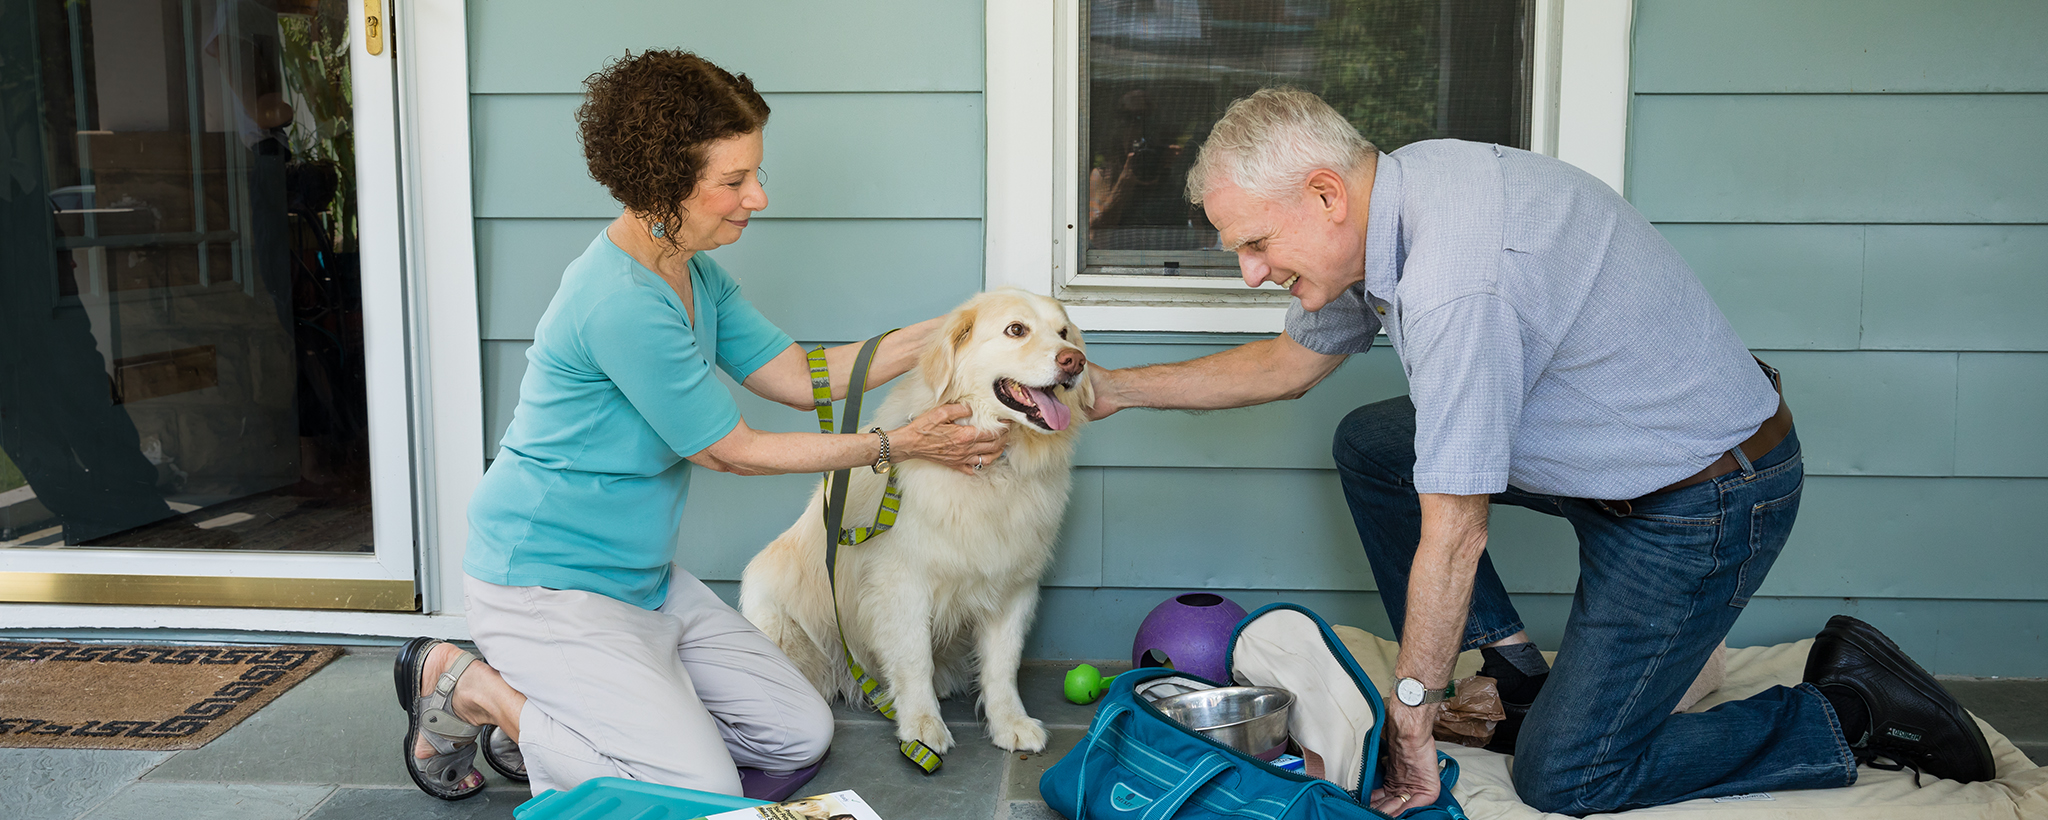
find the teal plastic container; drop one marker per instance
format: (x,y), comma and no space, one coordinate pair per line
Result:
(616,798)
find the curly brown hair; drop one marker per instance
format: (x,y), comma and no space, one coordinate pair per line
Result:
(647,119)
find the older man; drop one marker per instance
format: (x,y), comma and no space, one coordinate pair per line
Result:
(1560,357)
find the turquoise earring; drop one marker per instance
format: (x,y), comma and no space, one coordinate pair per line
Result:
(659,229)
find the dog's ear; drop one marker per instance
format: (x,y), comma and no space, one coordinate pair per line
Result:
(942,356)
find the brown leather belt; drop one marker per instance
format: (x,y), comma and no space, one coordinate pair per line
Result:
(1766,438)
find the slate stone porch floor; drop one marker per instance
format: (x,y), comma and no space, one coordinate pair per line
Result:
(329,750)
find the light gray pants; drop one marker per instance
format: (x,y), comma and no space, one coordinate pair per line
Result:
(676,696)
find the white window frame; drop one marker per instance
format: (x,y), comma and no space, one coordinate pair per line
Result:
(431,387)
(1579,113)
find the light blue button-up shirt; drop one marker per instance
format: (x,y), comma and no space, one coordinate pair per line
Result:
(1552,339)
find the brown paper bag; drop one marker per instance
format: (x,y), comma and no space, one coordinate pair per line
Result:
(1469,716)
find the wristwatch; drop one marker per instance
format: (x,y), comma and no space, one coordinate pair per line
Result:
(1411,692)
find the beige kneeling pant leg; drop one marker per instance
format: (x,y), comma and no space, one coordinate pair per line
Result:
(677,696)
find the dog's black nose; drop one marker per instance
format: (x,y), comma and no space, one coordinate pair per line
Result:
(1071,361)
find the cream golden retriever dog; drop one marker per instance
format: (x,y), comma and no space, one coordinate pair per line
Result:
(951,590)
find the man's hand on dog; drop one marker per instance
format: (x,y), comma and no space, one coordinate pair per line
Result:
(1107,400)
(935,437)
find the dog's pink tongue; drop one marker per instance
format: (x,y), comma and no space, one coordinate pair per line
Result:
(1049,408)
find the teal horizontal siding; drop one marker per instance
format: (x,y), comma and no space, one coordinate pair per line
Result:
(851,279)
(1290,529)
(814,278)
(1872,413)
(526,47)
(1916,537)
(1281,529)
(1782,287)
(2002,416)
(1915,212)
(519,264)
(1956,287)
(1859,413)
(1772,46)
(1948,637)
(1876,287)
(827,155)
(504,365)
(1884,249)
(1079,560)
(1232,529)
(1290,434)
(1929,158)
(729,518)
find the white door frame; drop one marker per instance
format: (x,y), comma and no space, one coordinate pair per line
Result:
(425,398)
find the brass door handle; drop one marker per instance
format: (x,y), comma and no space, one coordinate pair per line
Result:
(373,27)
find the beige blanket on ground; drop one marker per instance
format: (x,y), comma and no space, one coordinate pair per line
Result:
(2021,790)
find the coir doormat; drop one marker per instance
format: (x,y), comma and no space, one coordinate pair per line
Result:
(140,696)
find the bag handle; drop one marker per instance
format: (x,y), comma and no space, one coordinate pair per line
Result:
(1106,716)
(1205,770)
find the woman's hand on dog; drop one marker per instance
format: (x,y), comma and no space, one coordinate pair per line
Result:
(935,437)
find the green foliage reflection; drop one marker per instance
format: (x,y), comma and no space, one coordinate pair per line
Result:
(316,74)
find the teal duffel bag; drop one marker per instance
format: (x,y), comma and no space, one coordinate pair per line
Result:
(1138,764)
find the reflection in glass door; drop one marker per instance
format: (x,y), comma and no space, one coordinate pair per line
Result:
(203,354)
(181,316)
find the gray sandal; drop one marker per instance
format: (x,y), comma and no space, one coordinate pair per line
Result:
(453,739)
(502,753)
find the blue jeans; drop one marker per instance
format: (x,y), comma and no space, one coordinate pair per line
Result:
(1659,588)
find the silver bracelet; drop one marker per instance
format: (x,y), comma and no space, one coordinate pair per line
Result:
(881,464)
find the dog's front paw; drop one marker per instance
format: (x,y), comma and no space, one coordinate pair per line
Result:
(927,729)
(1018,734)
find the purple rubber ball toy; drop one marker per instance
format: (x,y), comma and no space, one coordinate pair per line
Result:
(1189,632)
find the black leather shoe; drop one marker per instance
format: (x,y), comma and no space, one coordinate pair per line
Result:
(1509,728)
(1913,720)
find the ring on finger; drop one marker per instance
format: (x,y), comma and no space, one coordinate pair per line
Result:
(977,462)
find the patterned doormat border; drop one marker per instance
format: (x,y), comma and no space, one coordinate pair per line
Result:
(198,692)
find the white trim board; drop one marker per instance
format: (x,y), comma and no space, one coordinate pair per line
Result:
(441,249)
(22,619)
(387,341)
(1580,110)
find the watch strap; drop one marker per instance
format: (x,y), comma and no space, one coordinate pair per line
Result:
(882,460)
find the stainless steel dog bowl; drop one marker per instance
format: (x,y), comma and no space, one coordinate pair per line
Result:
(1250,719)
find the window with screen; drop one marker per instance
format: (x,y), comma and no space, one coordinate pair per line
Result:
(1156,74)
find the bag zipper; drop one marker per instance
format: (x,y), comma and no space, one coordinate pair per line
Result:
(1351,668)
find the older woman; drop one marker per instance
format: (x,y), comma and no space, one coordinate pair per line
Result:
(604,658)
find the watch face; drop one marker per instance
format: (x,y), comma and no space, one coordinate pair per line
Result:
(1409,690)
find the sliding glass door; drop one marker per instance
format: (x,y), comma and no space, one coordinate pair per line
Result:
(203,379)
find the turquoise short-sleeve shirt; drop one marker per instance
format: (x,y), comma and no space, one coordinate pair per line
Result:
(587,491)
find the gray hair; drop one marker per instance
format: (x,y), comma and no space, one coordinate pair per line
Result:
(1269,143)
